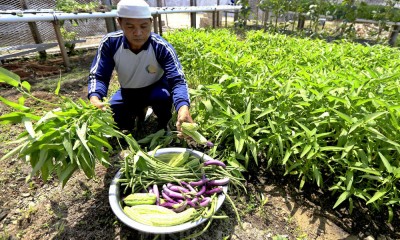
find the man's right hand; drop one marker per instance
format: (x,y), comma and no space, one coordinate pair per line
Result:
(97,103)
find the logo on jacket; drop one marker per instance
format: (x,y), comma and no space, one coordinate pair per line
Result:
(151,69)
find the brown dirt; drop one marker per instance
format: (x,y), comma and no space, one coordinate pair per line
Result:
(38,210)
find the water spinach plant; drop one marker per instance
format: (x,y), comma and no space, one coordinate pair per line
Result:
(71,136)
(327,113)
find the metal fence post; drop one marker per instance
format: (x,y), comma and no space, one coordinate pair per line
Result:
(218,23)
(155,25)
(193,14)
(159,4)
(110,22)
(394,34)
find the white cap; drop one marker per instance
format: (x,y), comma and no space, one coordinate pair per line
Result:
(133,9)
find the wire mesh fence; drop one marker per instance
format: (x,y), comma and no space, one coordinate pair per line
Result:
(21,33)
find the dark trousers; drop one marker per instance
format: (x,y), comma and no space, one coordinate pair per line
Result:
(128,104)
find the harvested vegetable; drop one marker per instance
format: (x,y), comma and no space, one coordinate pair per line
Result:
(181,188)
(151,209)
(191,130)
(140,199)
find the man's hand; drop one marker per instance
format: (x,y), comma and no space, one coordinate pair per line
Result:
(97,103)
(183,116)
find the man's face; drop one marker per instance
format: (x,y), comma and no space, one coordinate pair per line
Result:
(137,31)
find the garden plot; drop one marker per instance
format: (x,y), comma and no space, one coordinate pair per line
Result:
(270,209)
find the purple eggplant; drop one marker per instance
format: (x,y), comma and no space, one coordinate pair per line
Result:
(214,162)
(179,207)
(176,188)
(172,194)
(167,198)
(209,144)
(157,193)
(201,182)
(202,190)
(188,186)
(171,205)
(219,182)
(205,202)
(193,202)
(214,190)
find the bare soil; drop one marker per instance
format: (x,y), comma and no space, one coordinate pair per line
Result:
(37,210)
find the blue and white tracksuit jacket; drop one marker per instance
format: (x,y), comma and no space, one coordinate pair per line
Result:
(153,77)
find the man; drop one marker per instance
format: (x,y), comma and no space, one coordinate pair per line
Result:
(148,69)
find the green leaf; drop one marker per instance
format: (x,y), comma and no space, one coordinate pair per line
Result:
(372,116)
(12,152)
(207,103)
(271,125)
(26,85)
(305,150)
(386,163)
(140,162)
(265,112)
(68,146)
(341,198)
(83,103)
(247,117)
(14,105)
(236,164)
(67,172)
(9,77)
(380,193)
(56,92)
(48,116)
(81,132)
(381,137)
(21,100)
(331,148)
(343,116)
(46,170)
(42,159)
(302,182)
(86,163)
(308,132)
(349,180)
(28,126)
(287,155)
(366,119)
(16,117)
(239,140)
(99,141)
(351,205)
(356,125)
(317,175)
(280,144)
(367,170)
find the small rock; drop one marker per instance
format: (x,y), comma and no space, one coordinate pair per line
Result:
(247,225)
(3,214)
(25,194)
(369,238)
(382,237)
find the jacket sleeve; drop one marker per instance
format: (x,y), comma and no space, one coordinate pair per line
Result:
(168,59)
(101,70)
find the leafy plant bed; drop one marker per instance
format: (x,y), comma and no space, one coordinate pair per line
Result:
(296,87)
